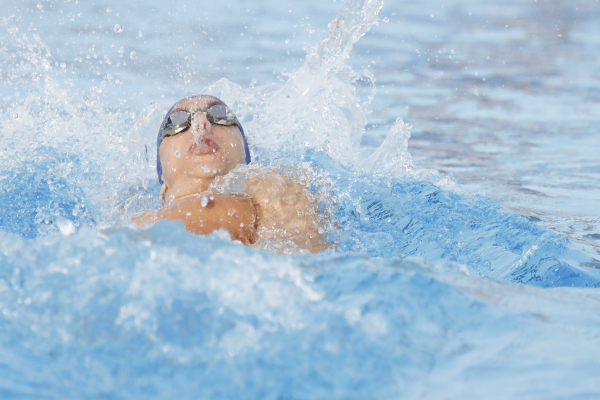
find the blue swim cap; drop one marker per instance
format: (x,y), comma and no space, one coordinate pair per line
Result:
(158,141)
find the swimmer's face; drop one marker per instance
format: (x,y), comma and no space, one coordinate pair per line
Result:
(204,151)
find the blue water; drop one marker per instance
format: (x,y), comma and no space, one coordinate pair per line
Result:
(452,145)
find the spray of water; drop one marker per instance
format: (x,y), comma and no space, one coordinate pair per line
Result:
(62,144)
(317,109)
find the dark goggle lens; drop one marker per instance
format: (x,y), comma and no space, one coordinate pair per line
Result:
(177,122)
(179,118)
(220,114)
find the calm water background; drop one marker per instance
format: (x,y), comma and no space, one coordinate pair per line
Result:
(502,96)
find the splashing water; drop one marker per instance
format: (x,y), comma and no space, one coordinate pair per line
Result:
(320,106)
(421,297)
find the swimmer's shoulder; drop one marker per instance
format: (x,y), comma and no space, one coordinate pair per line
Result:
(287,209)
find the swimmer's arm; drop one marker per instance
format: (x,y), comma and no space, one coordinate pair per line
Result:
(236,214)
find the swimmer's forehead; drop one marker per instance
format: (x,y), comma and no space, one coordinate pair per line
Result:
(195,103)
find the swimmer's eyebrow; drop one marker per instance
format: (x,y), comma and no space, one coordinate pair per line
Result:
(208,105)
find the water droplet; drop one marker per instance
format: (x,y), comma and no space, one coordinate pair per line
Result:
(66,226)
(118,28)
(241,224)
(176,151)
(121,50)
(188,213)
(205,168)
(140,34)
(230,212)
(133,55)
(204,201)
(214,171)
(39,6)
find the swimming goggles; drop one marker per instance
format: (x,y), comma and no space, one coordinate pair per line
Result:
(181,121)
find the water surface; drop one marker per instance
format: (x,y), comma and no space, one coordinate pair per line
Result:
(453,144)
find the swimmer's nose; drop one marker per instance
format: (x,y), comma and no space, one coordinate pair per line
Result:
(201,125)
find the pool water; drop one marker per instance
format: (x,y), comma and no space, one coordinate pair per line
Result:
(453,145)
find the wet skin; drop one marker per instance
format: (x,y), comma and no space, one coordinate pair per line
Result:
(193,159)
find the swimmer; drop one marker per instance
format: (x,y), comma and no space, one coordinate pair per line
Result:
(199,143)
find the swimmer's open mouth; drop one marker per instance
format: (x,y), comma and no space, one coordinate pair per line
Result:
(204,145)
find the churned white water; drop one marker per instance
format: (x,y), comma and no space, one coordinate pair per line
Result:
(452,146)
